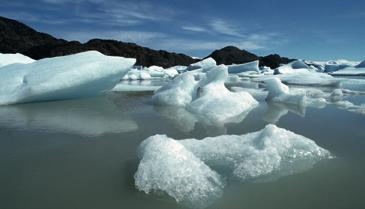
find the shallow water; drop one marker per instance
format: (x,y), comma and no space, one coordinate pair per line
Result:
(82,154)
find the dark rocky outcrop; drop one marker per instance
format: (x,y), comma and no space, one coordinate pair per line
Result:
(16,37)
(274,60)
(232,55)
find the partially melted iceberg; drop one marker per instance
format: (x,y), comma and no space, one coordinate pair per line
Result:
(207,97)
(279,92)
(204,64)
(192,171)
(74,76)
(8,59)
(215,102)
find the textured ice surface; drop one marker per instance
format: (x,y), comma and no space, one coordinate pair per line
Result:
(74,76)
(192,170)
(239,68)
(166,165)
(8,59)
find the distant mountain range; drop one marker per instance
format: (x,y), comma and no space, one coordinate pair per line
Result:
(16,37)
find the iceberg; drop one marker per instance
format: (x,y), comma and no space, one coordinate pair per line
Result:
(8,59)
(207,97)
(74,76)
(215,102)
(204,64)
(135,74)
(178,92)
(279,92)
(292,67)
(166,165)
(250,66)
(194,171)
(350,71)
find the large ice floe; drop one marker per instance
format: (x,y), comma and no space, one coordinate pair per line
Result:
(81,75)
(194,172)
(8,59)
(207,97)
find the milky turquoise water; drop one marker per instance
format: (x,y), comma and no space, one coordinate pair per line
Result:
(81,154)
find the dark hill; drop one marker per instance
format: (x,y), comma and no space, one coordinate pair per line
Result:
(16,37)
(233,55)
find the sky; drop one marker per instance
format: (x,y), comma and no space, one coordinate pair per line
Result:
(312,29)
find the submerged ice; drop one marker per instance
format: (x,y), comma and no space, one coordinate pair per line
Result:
(193,171)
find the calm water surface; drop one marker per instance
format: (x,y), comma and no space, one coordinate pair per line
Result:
(81,154)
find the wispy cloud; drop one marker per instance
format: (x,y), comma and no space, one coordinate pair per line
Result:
(194,28)
(225,27)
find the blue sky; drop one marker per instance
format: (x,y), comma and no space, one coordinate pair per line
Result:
(312,29)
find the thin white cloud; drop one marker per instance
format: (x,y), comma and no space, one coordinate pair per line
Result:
(226,28)
(194,28)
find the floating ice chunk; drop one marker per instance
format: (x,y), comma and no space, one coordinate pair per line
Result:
(74,76)
(331,67)
(309,79)
(208,97)
(170,72)
(292,67)
(251,66)
(135,74)
(276,88)
(8,59)
(192,170)
(135,88)
(270,151)
(166,165)
(215,102)
(155,71)
(178,92)
(349,106)
(352,71)
(204,64)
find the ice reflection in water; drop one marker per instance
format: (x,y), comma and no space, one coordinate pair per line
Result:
(90,117)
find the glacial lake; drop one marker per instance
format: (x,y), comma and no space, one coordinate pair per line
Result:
(81,154)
